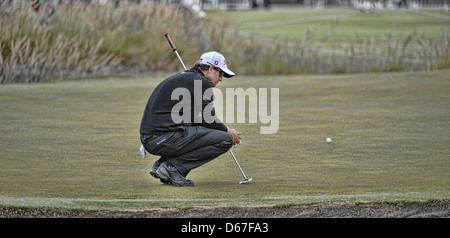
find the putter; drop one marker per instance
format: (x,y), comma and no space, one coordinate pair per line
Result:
(245,180)
(172,45)
(174,48)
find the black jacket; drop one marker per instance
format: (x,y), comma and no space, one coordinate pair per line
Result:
(158,118)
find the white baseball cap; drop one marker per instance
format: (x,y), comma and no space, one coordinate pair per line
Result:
(217,60)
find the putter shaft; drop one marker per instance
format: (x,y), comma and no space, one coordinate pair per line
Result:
(176,52)
(235,160)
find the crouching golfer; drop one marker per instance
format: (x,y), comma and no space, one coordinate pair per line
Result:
(180,125)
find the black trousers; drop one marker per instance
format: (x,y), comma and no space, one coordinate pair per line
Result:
(189,148)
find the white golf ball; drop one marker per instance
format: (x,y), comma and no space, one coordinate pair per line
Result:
(328,140)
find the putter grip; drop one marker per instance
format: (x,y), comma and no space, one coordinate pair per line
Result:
(170,42)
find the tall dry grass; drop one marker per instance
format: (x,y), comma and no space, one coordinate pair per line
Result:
(83,40)
(80,40)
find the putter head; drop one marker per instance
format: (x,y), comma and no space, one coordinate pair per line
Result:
(245,180)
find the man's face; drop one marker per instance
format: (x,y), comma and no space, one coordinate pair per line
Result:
(214,75)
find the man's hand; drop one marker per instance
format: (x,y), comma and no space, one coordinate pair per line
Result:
(235,136)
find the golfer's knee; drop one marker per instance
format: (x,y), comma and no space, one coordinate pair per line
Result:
(221,140)
(227,143)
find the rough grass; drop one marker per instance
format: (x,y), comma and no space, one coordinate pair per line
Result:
(321,37)
(75,144)
(294,23)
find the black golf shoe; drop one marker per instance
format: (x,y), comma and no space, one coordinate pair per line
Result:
(154,174)
(170,174)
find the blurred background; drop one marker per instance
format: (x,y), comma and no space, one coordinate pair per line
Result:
(45,40)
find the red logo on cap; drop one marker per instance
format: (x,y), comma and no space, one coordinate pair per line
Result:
(216,62)
(225,62)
